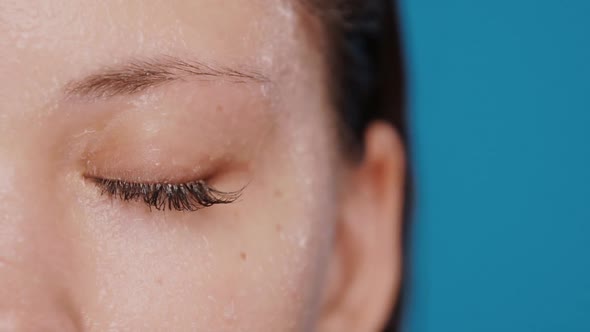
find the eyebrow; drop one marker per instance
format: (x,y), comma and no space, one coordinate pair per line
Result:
(138,75)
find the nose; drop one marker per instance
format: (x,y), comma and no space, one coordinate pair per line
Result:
(36,260)
(30,302)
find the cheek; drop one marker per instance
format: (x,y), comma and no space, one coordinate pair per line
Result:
(255,264)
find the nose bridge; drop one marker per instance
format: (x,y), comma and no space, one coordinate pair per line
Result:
(32,301)
(27,215)
(35,251)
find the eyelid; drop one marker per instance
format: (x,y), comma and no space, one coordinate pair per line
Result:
(189,196)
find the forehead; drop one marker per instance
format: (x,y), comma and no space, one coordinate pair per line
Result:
(50,42)
(216,22)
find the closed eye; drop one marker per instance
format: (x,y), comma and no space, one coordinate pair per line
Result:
(190,196)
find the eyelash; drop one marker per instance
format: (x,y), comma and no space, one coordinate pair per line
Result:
(189,196)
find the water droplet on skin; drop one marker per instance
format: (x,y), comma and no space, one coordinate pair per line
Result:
(141,37)
(204,238)
(302,242)
(265,90)
(84,133)
(229,312)
(300,149)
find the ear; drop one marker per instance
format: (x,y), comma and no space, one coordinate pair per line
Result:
(365,267)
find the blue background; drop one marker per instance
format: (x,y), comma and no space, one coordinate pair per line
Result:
(500,125)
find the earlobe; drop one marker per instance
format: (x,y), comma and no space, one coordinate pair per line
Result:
(365,267)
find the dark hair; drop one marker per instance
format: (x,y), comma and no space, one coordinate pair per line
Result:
(366,68)
(366,59)
(365,64)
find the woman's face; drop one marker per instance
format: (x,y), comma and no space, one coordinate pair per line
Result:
(169,92)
